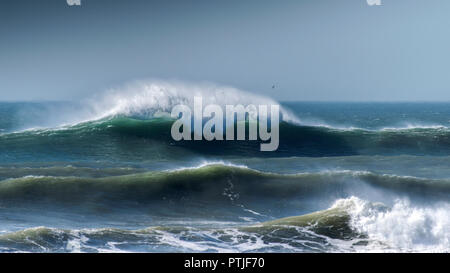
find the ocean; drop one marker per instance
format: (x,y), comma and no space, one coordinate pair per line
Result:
(347,177)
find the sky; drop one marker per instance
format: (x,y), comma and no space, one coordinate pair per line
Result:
(311,50)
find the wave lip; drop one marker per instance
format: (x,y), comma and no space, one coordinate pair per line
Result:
(156,98)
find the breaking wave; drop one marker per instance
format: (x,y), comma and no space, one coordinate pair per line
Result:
(349,225)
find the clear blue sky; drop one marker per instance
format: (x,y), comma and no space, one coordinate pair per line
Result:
(312,49)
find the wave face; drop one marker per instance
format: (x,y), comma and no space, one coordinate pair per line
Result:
(104,175)
(135,139)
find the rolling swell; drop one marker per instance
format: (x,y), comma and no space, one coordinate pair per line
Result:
(300,233)
(226,189)
(124,138)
